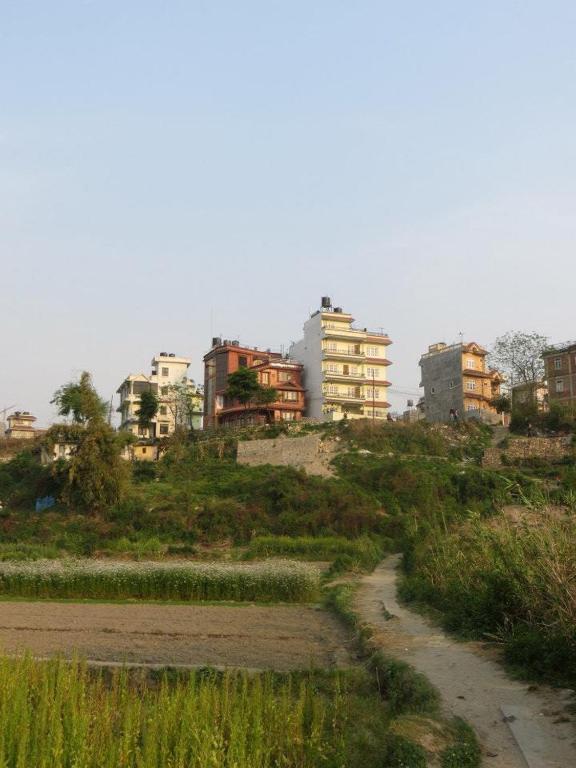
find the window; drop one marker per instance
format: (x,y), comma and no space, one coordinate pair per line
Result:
(242,361)
(144,386)
(165,372)
(163,410)
(288,416)
(265,377)
(351,391)
(333,368)
(353,370)
(332,389)
(471,385)
(558,364)
(144,449)
(432,390)
(163,429)
(373,351)
(284,376)
(163,390)
(372,373)
(559,385)
(331,347)
(290,396)
(470,364)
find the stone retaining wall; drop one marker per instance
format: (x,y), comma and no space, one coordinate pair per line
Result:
(311,453)
(547,448)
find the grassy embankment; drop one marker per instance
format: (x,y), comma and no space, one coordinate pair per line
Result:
(489,576)
(416,489)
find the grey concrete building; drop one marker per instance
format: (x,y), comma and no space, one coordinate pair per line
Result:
(456,378)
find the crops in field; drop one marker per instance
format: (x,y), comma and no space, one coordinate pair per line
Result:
(62,715)
(363,551)
(282,581)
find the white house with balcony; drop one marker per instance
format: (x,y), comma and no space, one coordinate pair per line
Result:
(169,374)
(344,366)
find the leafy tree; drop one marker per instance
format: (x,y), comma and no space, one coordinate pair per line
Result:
(501,403)
(243,386)
(148,408)
(266,396)
(95,475)
(182,400)
(80,399)
(519,356)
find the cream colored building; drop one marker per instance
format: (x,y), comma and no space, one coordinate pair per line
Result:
(344,367)
(168,374)
(21,425)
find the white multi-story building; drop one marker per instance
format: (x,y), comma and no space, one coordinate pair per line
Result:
(167,379)
(344,367)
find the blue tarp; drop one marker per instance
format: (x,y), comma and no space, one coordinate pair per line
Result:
(45,503)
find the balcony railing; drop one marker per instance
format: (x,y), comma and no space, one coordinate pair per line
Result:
(341,375)
(345,352)
(343,396)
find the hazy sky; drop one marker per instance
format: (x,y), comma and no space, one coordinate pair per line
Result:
(175,170)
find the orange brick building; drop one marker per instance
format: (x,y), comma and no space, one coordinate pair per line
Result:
(560,362)
(283,375)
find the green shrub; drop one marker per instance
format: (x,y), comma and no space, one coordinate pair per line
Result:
(346,553)
(465,752)
(402,753)
(406,690)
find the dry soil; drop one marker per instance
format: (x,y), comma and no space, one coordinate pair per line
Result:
(254,637)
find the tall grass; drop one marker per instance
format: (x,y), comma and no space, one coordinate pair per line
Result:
(282,581)
(363,552)
(60,715)
(513,583)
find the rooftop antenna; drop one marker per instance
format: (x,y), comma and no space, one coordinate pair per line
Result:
(461,334)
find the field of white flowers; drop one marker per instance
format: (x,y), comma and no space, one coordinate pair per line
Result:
(278,581)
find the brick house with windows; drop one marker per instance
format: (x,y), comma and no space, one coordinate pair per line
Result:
(273,370)
(560,365)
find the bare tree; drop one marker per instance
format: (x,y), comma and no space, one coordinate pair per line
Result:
(518,356)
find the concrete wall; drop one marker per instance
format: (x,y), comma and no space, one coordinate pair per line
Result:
(310,453)
(308,351)
(548,448)
(439,371)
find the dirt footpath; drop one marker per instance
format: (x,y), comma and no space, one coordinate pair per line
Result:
(255,637)
(538,732)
